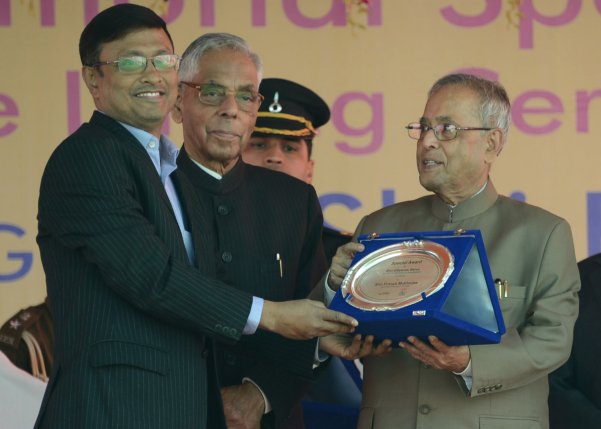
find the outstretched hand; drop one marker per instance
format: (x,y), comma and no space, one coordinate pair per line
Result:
(353,347)
(304,319)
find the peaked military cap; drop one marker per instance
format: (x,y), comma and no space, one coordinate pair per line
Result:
(289,110)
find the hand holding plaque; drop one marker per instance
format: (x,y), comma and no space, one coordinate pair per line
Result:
(421,284)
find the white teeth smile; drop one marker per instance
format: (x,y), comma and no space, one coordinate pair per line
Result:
(149,94)
(429,162)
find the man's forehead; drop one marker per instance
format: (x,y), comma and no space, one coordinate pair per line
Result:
(451,104)
(232,69)
(141,40)
(438,118)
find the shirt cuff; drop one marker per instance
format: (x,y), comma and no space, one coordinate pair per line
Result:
(319,357)
(328,292)
(466,374)
(267,404)
(252,323)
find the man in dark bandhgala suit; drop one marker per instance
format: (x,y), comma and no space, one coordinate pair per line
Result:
(262,228)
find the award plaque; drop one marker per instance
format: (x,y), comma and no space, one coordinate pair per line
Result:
(398,275)
(420,284)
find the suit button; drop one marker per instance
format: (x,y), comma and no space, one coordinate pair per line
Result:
(226,257)
(223,210)
(424,409)
(204,354)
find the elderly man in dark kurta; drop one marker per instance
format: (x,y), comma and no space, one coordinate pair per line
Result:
(263,227)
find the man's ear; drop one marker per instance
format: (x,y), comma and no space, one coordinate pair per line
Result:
(310,168)
(176,111)
(494,144)
(90,77)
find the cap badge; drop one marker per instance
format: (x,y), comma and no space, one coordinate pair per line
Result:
(275,107)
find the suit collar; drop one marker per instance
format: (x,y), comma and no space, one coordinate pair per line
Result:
(596,259)
(133,146)
(200,179)
(592,261)
(130,143)
(466,209)
(105,121)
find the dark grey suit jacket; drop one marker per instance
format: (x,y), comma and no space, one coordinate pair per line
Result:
(132,316)
(575,394)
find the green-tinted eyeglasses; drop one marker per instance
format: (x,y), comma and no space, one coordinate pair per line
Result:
(442,132)
(213,94)
(138,63)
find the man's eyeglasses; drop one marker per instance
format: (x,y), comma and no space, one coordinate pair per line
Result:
(213,94)
(442,132)
(138,63)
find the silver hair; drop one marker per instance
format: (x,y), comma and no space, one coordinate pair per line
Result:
(214,42)
(495,108)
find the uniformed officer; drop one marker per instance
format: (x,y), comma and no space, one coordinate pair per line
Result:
(27,340)
(26,346)
(288,120)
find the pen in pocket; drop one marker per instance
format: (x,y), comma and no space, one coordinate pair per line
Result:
(279,259)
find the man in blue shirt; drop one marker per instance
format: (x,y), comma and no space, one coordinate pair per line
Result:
(134,319)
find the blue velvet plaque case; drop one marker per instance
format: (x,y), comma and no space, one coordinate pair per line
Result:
(464,311)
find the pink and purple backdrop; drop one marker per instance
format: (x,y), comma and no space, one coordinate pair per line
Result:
(375,79)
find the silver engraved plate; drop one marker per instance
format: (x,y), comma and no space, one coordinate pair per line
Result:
(397,275)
